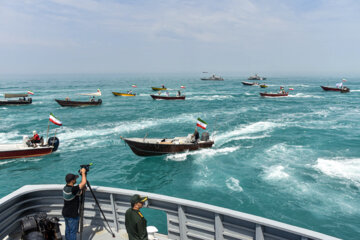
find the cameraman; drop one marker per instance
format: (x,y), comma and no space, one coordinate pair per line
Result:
(70,210)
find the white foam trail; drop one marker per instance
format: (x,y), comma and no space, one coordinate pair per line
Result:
(210,98)
(354,90)
(275,173)
(301,95)
(3,108)
(10,137)
(234,184)
(340,168)
(239,132)
(203,153)
(250,94)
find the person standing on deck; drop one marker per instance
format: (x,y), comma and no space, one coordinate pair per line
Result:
(134,220)
(70,210)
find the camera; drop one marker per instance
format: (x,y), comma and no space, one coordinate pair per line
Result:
(86,166)
(40,227)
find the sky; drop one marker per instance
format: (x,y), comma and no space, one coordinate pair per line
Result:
(116,36)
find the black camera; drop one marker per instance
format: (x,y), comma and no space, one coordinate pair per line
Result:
(86,166)
(40,227)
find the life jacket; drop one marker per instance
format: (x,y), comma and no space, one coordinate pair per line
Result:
(36,137)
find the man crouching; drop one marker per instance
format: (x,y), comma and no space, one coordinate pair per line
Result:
(70,210)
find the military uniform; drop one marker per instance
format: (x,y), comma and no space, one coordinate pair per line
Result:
(135,222)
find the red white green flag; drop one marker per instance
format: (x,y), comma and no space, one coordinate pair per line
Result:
(201,123)
(182,86)
(54,120)
(30,92)
(134,85)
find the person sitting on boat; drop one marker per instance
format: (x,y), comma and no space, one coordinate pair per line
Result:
(92,99)
(35,139)
(179,94)
(163,86)
(129,92)
(159,92)
(67,99)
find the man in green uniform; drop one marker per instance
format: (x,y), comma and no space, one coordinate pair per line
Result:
(134,220)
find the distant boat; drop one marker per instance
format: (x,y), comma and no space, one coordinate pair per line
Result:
(213,78)
(157,146)
(342,89)
(280,94)
(92,102)
(250,83)
(159,89)
(256,77)
(124,94)
(263,86)
(159,97)
(22,99)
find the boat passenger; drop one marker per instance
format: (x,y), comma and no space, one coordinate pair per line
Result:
(163,86)
(134,220)
(196,136)
(35,139)
(179,94)
(159,92)
(167,93)
(92,99)
(67,99)
(70,210)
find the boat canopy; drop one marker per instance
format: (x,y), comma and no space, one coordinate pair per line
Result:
(98,93)
(14,95)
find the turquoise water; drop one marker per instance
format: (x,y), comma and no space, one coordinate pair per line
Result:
(294,159)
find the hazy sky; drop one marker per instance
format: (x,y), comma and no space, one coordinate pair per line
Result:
(114,36)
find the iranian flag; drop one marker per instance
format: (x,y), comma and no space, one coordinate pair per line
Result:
(182,86)
(54,120)
(134,85)
(201,123)
(291,89)
(30,92)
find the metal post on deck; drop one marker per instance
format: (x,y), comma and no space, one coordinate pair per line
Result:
(259,235)
(113,205)
(219,228)
(182,223)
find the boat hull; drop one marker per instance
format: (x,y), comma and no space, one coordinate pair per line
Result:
(158,97)
(212,79)
(23,153)
(344,89)
(124,94)
(249,83)
(16,102)
(158,89)
(274,94)
(65,103)
(145,149)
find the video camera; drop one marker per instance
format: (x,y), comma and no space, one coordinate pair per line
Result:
(40,227)
(86,166)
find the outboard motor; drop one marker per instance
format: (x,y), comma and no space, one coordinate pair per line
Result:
(99,100)
(40,227)
(30,100)
(205,136)
(54,141)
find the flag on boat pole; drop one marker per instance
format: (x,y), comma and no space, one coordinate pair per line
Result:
(201,123)
(292,89)
(344,80)
(182,86)
(134,86)
(54,120)
(30,92)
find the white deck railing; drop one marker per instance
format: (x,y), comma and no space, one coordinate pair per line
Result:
(185,219)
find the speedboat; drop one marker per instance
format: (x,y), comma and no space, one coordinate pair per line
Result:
(92,102)
(159,88)
(161,146)
(124,94)
(159,97)
(250,83)
(24,149)
(335,89)
(280,94)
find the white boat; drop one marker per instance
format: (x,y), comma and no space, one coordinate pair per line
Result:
(213,78)
(184,219)
(256,77)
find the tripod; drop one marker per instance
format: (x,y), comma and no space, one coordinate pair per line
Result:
(82,202)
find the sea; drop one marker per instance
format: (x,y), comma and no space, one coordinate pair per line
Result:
(292,159)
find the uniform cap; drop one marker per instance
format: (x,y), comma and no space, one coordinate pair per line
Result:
(136,198)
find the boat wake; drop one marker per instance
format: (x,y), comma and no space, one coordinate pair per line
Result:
(276,172)
(210,98)
(302,95)
(243,132)
(348,169)
(201,154)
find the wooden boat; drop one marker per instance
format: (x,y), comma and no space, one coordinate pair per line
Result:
(21,101)
(159,89)
(335,89)
(159,97)
(263,86)
(280,94)
(68,103)
(124,94)
(250,83)
(22,150)
(156,146)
